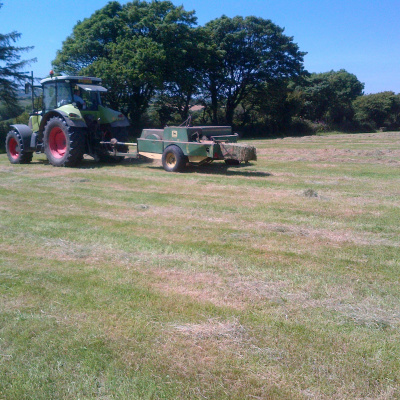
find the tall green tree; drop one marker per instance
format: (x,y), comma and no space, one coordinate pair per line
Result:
(379,109)
(268,108)
(246,53)
(135,48)
(182,82)
(11,65)
(329,96)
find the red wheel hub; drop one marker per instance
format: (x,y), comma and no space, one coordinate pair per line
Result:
(57,142)
(13,148)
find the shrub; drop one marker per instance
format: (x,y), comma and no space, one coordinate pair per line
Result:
(4,128)
(300,126)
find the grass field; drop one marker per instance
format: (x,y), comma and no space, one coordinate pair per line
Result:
(275,280)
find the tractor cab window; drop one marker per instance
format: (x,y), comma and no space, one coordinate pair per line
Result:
(56,94)
(90,94)
(49,96)
(92,99)
(63,94)
(78,100)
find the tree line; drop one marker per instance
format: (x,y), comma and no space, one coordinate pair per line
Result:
(160,67)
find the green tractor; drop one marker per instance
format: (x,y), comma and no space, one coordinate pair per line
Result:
(71,123)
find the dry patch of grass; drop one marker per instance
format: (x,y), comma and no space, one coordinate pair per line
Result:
(229,291)
(333,235)
(226,333)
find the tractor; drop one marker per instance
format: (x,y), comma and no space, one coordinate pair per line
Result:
(72,122)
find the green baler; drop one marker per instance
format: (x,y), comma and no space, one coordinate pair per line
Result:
(178,146)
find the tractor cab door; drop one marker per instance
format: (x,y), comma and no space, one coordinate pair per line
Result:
(49,96)
(56,94)
(90,94)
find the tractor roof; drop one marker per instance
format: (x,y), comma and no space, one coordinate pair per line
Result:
(76,79)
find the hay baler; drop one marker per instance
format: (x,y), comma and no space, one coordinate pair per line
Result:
(178,146)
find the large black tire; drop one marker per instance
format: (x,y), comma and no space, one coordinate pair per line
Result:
(173,159)
(64,146)
(15,149)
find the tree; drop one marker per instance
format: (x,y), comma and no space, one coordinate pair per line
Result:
(10,68)
(329,96)
(246,53)
(134,48)
(90,40)
(380,109)
(267,108)
(186,56)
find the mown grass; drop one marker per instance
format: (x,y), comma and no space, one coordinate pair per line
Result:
(275,280)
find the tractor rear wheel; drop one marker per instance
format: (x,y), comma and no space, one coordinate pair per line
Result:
(15,149)
(173,159)
(64,146)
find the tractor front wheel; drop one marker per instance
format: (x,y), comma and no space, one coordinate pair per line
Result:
(64,146)
(15,149)
(173,159)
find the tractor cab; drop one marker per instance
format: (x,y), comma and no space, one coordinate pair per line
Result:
(81,92)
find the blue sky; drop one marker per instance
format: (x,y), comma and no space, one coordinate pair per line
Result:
(361,36)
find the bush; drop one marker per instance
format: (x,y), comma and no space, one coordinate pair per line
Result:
(357,127)
(4,129)
(301,126)
(382,110)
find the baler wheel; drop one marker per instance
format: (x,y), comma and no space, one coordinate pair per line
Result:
(173,159)
(15,149)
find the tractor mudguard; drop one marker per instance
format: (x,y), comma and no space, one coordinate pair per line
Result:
(26,135)
(79,123)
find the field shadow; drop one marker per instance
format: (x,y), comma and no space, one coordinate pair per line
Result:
(92,164)
(220,169)
(208,169)
(126,163)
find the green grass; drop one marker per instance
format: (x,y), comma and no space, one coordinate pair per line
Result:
(275,280)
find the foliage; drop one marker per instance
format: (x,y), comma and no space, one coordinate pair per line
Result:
(4,128)
(247,53)
(131,48)
(328,96)
(268,108)
(184,72)
(10,68)
(8,111)
(382,109)
(143,49)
